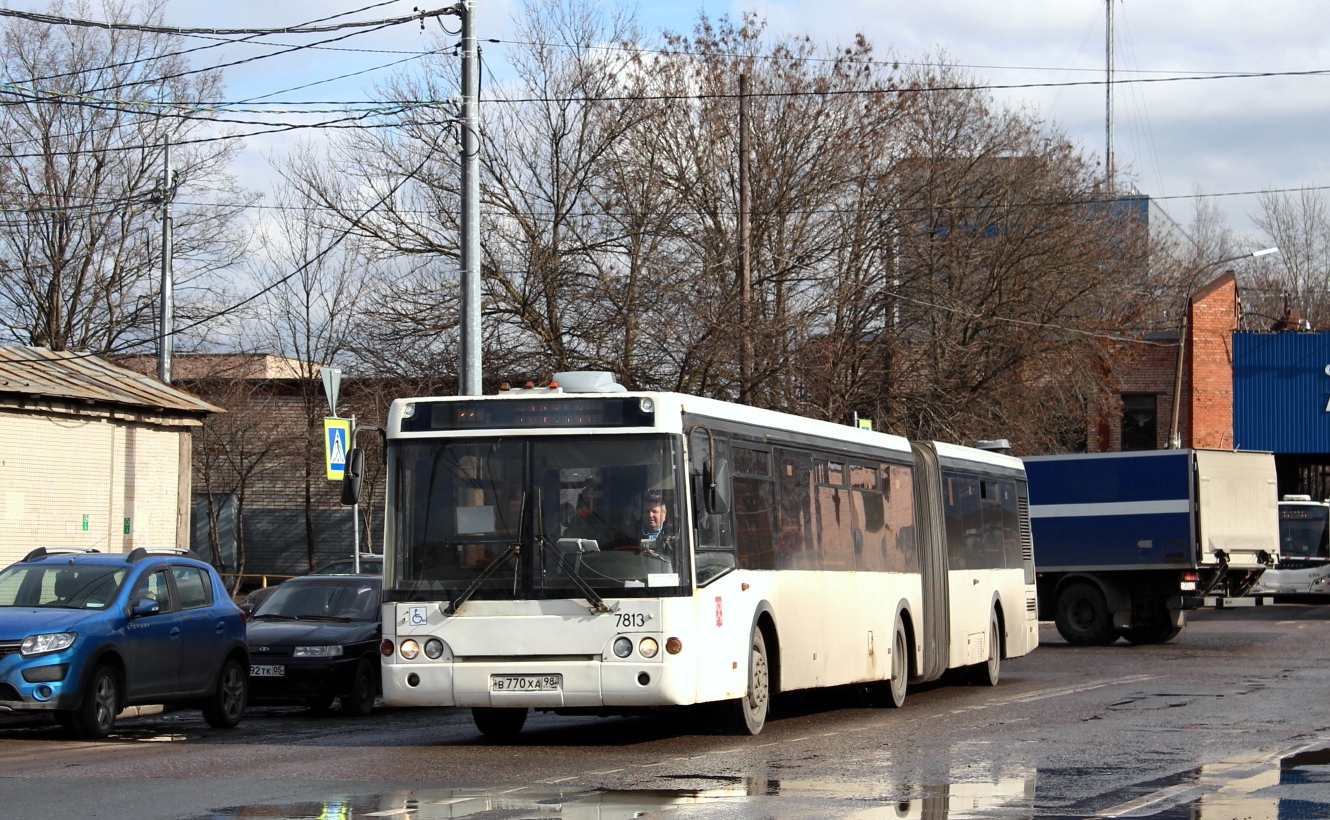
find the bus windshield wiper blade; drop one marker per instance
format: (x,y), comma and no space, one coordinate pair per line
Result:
(485,573)
(597,602)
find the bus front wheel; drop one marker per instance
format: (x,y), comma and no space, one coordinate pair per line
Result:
(747,715)
(500,724)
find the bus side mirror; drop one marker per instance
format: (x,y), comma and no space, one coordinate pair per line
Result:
(716,486)
(355,463)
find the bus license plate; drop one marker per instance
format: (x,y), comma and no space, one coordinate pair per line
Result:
(267,671)
(526,683)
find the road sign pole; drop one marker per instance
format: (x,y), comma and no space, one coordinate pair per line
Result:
(355,513)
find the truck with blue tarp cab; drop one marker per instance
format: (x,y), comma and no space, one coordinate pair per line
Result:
(1125,543)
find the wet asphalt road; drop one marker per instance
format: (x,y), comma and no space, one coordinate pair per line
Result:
(1230,721)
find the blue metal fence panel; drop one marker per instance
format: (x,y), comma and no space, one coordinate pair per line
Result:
(1111,510)
(1281,392)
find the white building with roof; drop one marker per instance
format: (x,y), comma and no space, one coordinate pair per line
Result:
(91,454)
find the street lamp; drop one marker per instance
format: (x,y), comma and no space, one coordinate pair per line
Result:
(1174,440)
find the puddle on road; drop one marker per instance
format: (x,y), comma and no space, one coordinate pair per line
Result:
(1291,786)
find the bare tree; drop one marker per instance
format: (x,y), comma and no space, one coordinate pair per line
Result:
(81,175)
(1299,277)
(313,288)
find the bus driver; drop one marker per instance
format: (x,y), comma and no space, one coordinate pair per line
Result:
(651,526)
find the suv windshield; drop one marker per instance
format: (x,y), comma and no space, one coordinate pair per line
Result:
(60,585)
(539,517)
(335,600)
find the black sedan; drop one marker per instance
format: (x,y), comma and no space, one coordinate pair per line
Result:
(316,639)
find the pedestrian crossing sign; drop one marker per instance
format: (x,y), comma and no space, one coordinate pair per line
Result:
(336,438)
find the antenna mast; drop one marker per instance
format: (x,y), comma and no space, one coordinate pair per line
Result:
(1108,94)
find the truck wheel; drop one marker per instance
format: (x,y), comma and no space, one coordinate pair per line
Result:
(500,724)
(1082,616)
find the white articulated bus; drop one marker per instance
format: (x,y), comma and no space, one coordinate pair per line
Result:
(521,571)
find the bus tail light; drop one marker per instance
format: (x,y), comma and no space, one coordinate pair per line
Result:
(386,648)
(673,646)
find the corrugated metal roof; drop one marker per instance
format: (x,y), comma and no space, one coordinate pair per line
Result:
(38,371)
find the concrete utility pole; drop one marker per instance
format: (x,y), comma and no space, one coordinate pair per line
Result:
(168,250)
(745,261)
(469,366)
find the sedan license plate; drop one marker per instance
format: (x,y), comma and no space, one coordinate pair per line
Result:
(526,683)
(267,671)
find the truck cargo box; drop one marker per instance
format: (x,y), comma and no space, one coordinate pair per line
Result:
(1124,543)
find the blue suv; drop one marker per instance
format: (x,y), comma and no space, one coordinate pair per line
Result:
(84,634)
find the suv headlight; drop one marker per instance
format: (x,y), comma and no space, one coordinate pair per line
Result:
(48,642)
(317,651)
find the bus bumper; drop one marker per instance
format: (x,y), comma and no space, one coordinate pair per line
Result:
(583,684)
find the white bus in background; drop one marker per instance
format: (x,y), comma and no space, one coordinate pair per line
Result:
(1304,550)
(795,554)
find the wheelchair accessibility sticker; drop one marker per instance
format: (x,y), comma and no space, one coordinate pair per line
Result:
(417,616)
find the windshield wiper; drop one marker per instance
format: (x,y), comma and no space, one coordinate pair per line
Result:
(322,618)
(597,602)
(273,616)
(485,573)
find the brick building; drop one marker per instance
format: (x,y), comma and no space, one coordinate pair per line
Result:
(1149,380)
(262,505)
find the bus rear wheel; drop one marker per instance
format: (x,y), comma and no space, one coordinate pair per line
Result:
(891,692)
(748,714)
(500,724)
(1083,618)
(988,672)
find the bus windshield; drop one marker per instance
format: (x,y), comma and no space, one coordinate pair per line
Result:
(1303,531)
(515,518)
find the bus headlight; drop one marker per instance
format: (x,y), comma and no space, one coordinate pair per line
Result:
(434,649)
(623,647)
(410,649)
(648,647)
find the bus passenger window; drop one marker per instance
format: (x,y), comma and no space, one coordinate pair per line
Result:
(753,508)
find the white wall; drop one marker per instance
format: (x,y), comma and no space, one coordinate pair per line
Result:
(68,481)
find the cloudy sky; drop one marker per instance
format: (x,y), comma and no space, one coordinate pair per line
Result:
(1225,137)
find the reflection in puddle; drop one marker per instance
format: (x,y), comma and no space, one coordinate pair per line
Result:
(958,801)
(1246,787)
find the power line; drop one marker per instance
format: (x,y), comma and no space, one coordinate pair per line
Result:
(55,20)
(150,58)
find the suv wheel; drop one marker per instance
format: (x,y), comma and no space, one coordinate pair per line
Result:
(95,716)
(226,704)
